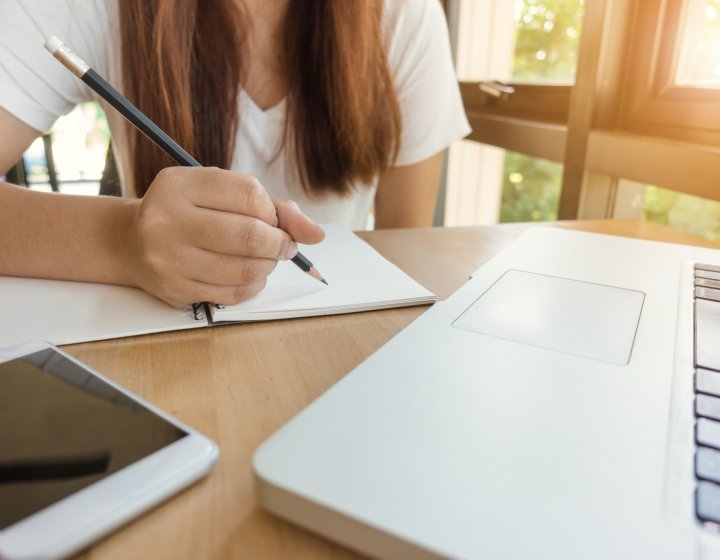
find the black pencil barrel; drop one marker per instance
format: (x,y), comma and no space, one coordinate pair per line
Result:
(138,118)
(301,261)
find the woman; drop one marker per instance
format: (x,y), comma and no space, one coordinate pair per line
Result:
(339,105)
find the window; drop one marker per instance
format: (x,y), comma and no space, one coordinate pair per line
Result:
(532,44)
(699,57)
(546,40)
(78,145)
(667,85)
(682,211)
(643,109)
(531,189)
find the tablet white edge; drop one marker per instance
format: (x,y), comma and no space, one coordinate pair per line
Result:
(76,521)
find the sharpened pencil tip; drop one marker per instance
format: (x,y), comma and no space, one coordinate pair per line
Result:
(315,274)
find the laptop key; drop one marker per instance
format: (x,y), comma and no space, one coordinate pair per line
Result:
(707,407)
(710,275)
(707,432)
(707,502)
(707,382)
(707,464)
(707,293)
(707,283)
(707,334)
(710,267)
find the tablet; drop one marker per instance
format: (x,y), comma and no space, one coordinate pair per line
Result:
(80,455)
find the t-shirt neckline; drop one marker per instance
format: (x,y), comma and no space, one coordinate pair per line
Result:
(277,110)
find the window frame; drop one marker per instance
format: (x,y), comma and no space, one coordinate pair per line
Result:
(531,120)
(624,117)
(654,104)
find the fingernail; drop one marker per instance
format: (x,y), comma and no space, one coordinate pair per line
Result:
(291,251)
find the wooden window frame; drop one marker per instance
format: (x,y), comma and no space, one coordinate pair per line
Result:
(532,120)
(653,104)
(623,119)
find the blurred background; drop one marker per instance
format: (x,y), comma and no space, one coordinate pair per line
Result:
(626,90)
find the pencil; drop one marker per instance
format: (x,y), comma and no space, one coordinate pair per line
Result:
(138,119)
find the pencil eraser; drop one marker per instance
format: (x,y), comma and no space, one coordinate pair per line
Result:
(53,44)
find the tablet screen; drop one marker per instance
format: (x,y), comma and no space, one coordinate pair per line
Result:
(63,428)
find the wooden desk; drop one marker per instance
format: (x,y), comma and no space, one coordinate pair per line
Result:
(238,384)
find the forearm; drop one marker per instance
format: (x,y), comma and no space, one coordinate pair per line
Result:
(47,235)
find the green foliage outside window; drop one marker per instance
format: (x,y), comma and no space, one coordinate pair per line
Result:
(546,45)
(682,211)
(547,34)
(531,189)
(546,40)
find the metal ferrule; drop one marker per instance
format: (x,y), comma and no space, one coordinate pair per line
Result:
(72,61)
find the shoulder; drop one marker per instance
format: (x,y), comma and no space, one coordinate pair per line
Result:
(411,14)
(49,16)
(85,25)
(416,37)
(420,61)
(411,24)
(33,85)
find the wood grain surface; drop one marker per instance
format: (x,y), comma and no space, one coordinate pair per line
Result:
(237,384)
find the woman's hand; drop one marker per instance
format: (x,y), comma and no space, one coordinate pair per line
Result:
(205,234)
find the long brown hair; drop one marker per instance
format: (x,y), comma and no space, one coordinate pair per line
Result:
(182,65)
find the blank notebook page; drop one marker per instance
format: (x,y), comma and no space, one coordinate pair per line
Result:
(69,312)
(358,277)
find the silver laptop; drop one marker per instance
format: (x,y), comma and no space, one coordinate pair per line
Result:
(564,403)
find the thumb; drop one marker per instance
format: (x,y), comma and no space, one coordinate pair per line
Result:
(301,228)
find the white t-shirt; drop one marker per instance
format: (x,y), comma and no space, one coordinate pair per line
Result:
(37,89)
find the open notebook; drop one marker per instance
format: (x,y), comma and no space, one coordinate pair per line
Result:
(359,278)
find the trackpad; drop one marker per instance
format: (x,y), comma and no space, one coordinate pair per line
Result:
(590,320)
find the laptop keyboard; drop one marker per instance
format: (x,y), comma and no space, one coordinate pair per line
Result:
(707,392)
